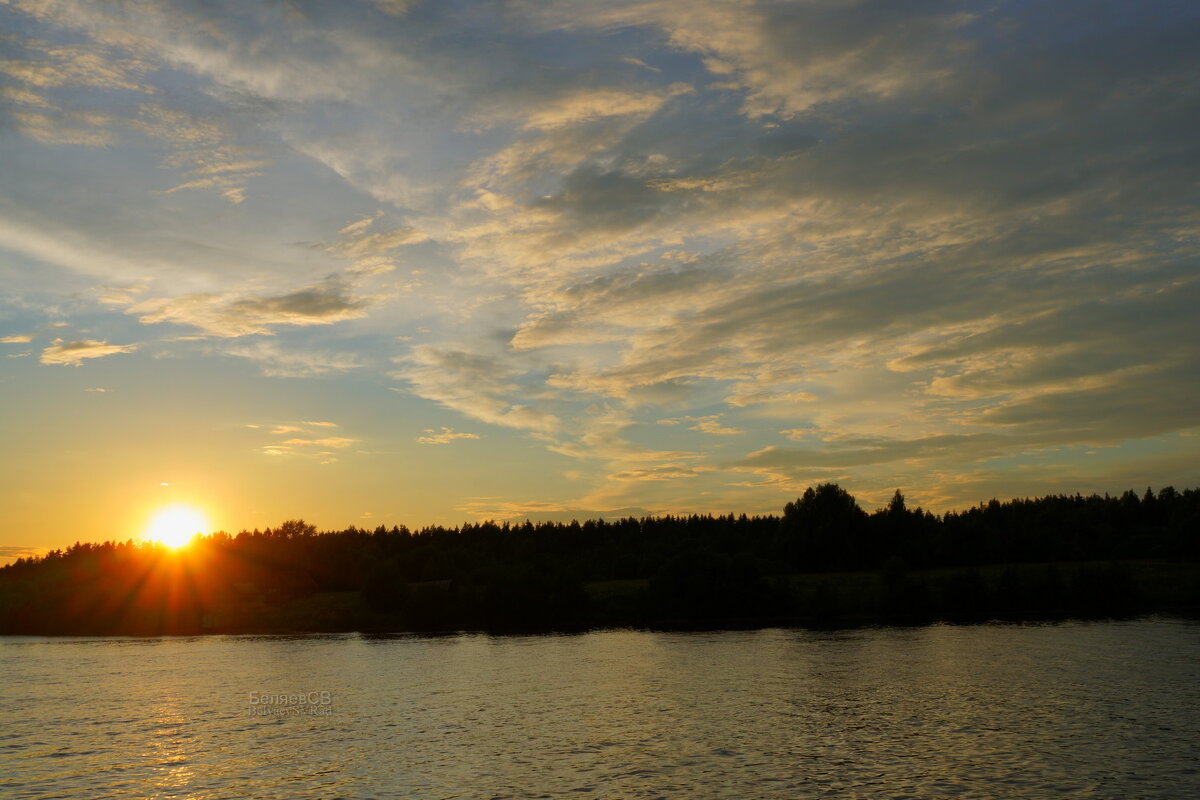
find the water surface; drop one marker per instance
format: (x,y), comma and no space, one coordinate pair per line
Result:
(1097,710)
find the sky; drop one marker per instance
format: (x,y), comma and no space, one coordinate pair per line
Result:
(402,262)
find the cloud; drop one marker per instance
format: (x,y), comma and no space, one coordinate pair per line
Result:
(363,244)
(637,62)
(708,424)
(284,429)
(328,441)
(227,49)
(20,96)
(373,253)
(444,436)
(771,390)
(658,472)
(10,553)
(230,316)
(52,66)
(203,147)
(397,8)
(358,227)
(65,127)
(118,296)
(80,248)
(275,362)
(50,75)
(74,353)
(877,451)
(579,106)
(308,440)
(475,384)
(711,425)
(787,58)
(17,338)
(911,238)
(623,469)
(320,449)
(608,306)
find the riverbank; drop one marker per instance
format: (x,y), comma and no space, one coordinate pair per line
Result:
(1000,592)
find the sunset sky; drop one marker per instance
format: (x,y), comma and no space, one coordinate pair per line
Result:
(405,262)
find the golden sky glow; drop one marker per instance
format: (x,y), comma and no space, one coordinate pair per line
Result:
(371,262)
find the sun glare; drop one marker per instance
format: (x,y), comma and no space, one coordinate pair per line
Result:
(175,526)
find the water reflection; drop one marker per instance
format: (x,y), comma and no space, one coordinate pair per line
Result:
(170,745)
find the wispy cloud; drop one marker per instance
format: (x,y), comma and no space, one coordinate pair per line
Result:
(75,353)
(305,440)
(475,384)
(232,316)
(328,441)
(710,424)
(278,362)
(47,65)
(444,436)
(9,553)
(203,148)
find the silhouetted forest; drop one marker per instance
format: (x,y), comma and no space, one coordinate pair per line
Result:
(823,562)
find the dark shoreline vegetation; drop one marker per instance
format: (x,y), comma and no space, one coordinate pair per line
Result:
(824,562)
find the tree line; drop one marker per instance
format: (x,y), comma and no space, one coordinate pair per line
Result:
(823,561)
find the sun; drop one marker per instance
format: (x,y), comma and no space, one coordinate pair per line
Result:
(174,526)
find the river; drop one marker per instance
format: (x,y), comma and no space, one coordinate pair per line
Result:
(1096,710)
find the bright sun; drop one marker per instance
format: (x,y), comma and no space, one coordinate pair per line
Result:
(175,526)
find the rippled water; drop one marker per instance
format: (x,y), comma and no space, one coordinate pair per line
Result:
(1105,710)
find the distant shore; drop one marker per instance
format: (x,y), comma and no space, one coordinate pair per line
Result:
(998,593)
(824,563)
